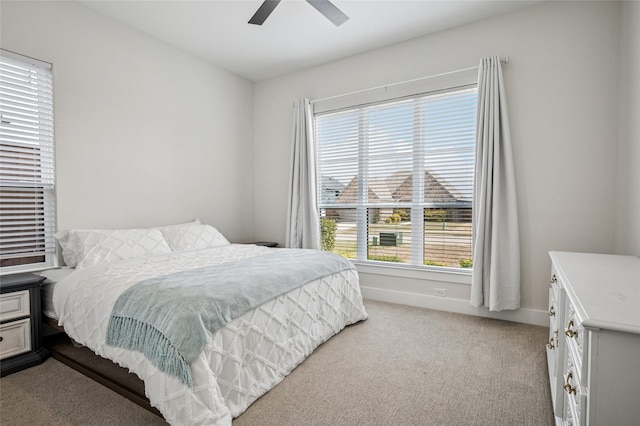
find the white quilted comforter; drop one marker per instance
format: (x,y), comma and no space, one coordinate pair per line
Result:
(240,362)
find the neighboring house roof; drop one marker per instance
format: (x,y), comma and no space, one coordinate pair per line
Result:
(350,193)
(399,187)
(436,190)
(330,188)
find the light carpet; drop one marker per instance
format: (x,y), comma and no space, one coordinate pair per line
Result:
(402,366)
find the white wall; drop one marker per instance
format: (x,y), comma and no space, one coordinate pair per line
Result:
(562,85)
(628,218)
(145,133)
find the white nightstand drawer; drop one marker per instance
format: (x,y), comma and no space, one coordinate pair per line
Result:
(14,305)
(15,338)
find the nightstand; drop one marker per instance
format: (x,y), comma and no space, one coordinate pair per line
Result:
(20,321)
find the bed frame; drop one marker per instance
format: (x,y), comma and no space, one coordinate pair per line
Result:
(99,369)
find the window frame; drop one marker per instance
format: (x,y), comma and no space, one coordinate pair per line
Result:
(28,158)
(414,269)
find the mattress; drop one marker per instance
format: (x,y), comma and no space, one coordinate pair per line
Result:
(46,289)
(240,362)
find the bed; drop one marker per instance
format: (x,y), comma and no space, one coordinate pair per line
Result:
(238,362)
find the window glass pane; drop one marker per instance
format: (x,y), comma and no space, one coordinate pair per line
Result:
(395,170)
(389,235)
(447,237)
(27,196)
(389,140)
(338,158)
(449,144)
(339,231)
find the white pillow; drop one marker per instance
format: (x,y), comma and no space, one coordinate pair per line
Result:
(88,247)
(175,227)
(193,237)
(69,248)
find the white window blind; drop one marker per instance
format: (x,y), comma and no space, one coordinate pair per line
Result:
(27,174)
(396,179)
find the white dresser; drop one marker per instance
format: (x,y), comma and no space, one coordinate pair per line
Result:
(593,351)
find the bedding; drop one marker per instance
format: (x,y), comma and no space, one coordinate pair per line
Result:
(193,236)
(241,361)
(46,288)
(167,318)
(89,247)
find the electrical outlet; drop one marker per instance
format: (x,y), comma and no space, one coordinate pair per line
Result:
(441,292)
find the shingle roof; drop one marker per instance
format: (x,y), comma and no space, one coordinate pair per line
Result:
(399,187)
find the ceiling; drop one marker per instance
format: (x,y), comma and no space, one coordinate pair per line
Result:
(295,35)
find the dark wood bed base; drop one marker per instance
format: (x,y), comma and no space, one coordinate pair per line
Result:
(54,342)
(51,323)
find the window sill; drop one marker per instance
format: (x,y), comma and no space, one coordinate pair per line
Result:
(450,275)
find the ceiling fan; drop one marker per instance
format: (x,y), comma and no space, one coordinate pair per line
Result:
(325,7)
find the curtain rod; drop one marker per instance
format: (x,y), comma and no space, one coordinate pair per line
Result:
(504,60)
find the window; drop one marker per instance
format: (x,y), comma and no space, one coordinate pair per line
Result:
(27,198)
(395,179)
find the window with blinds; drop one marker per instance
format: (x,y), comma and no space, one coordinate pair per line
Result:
(395,179)
(27,174)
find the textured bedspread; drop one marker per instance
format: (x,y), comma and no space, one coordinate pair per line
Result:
(241,361)
(167,318)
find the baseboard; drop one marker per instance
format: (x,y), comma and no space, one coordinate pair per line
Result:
(20,362)
(527,316)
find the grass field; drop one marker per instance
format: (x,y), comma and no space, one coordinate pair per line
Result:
(445,243)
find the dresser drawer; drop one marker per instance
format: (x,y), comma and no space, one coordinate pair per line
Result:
(568,416)
(553,321)
(554,284)
(598,368)
(575,334)
(15,338)
(554,310)
(575,395)
(14,305)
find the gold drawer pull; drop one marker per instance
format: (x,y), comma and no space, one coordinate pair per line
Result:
(569,332)
(567,386)
(550,345)
(553,279)
(552,312)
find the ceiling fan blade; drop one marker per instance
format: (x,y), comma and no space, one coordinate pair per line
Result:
(263,12)
(330,11)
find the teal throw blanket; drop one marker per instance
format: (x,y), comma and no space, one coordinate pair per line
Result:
(167,317)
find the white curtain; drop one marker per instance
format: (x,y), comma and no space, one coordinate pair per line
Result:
(303,221)
(495,281)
